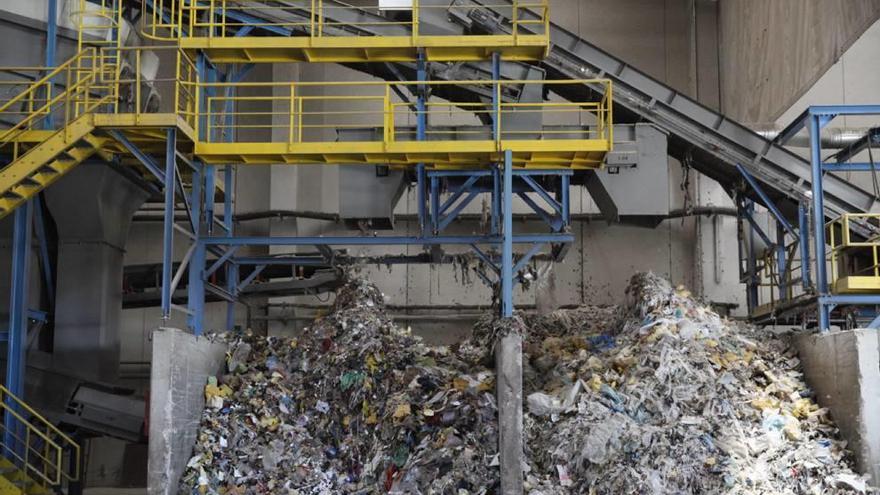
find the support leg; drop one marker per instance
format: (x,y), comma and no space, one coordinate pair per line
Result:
(507,232)
(819,223)
(18,310)
(196,292)
(168,227)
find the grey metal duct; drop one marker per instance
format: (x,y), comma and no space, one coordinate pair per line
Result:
(93,207)
(832,137)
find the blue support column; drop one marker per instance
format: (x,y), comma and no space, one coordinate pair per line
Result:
(51,46)
(210,187)
(196,287)
(18,318)
(421,128)
(782,283)
(507,244)
(804,234)
(748,210)
(435,204)
(168,226)
(496,200)
(18,298)
(232,288)
(819,222)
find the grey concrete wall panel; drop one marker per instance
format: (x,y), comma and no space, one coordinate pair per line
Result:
(182,364)
(92,208)
(842,369)
(643,188)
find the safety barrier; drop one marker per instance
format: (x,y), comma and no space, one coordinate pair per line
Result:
(42,451)
(305,112)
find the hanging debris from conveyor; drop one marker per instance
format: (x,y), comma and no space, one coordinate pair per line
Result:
(667,397)
(355,405)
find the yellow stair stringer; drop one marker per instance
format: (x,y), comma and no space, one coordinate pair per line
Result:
(13,481)
(47,162)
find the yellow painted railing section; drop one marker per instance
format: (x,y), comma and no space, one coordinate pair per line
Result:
(314,34)
(306,112)
(855,264)
(35,445)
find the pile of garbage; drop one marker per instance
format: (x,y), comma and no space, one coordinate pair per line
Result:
(354,405)
(671,398)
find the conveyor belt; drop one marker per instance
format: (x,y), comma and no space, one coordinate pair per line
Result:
(711,142)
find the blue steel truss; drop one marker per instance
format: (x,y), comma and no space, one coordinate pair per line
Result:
(814,119)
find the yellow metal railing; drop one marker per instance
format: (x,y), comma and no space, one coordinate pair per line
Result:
(839,238)
(105,81)
(35,445)
(175,19)
(306,112)
(30,108)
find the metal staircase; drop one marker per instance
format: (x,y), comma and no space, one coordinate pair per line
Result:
(37,458)
(57,151)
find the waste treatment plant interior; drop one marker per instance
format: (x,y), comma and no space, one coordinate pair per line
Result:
(456,247)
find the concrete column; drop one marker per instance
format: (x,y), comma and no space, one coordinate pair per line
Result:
(508,383)
(842,369)
(182,364)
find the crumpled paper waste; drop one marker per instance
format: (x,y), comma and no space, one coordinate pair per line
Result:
(353,405)
(674,399)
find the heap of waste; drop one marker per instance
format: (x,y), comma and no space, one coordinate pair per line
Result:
(354,405)
(667,397)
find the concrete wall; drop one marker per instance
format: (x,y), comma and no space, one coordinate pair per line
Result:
(842,368)
(181,365)
(773,51)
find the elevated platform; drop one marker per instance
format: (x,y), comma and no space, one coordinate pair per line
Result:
(240,31)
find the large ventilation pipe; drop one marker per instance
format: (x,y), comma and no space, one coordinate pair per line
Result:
(93,207)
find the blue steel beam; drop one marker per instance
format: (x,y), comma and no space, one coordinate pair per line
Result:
(250,278)
(16,349)
(196,286)
(43,240)
(542,192)
(485,259)
(446,220)
(850,167)
(818,221)
(553,222)
(232,288)
(286,260)
(521,263)
(765,199)
(146,160)
(465,187)
(168,225)
(804,244)
(507,232)
(219,262)
(383,240)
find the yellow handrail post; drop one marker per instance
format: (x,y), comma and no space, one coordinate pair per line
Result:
(292,109)
(137,85)
(415,22)
(312,20)
(223,20)
(210,19)
(514,17)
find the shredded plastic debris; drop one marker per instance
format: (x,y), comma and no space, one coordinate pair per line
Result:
(354,405)
(671,398)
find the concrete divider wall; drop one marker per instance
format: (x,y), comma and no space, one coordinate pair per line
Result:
(181,366)
(843,368)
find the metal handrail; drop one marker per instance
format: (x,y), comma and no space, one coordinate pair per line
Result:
(38,433)
(171,20)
